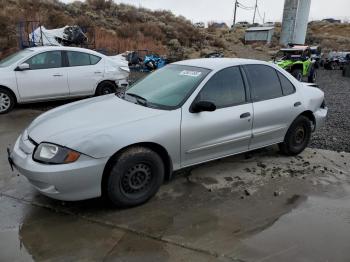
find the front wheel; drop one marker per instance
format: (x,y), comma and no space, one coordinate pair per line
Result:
(297,137)
(7,101)
(135,177)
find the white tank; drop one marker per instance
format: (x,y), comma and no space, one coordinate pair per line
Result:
(295,20)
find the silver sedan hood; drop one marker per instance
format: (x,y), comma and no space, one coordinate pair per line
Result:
(72,122)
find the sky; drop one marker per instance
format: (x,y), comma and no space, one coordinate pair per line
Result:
(222,10)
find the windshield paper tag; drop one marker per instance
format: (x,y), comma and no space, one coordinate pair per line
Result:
(190,73)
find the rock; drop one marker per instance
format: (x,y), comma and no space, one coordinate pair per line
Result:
(277,193)
(247,192)
(259,164)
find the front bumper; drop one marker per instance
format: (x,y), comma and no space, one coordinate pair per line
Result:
(320,117)
(70,182)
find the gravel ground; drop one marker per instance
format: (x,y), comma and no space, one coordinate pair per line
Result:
(336,134)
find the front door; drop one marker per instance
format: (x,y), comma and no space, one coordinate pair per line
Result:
(46,78)
(225,131)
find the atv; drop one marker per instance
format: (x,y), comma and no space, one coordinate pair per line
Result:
(297,61)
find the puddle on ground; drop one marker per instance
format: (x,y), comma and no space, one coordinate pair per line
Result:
(317,230)
(29,233)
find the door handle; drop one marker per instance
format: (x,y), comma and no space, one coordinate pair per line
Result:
(296,104)
(98,72)
(57,75)
(245,115)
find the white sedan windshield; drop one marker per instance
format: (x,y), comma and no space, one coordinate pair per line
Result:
(170,86)
(10,60)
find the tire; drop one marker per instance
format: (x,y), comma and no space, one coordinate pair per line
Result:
(297,137)
(333,66)
(312,76)
(7,101)
(298,74)
(135,177)
(105,88)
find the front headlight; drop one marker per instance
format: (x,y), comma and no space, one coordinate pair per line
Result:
(54,154)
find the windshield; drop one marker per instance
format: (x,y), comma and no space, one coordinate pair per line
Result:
(7,61)
(169,86)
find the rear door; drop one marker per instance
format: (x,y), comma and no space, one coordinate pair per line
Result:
(85,71)
(275,103)
(227,130)
(46,78)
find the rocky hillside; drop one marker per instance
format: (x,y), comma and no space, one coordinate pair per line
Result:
(120,27)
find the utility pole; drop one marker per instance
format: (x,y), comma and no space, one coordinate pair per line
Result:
(264,18)
(256,6)
(234,16)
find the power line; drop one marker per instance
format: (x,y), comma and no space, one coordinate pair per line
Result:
(245,7)
(261,18)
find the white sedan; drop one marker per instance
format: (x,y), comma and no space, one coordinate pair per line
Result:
(50,73)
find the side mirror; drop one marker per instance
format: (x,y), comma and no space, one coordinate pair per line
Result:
(23,67)
(203,106)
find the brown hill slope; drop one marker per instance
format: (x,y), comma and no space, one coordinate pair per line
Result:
(120,27)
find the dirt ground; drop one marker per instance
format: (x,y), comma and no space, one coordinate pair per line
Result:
(254,207)
(336,134)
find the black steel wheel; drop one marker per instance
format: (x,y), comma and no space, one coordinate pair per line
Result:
(135,177)
(297,137)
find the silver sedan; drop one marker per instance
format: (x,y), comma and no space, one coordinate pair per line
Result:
(187,113)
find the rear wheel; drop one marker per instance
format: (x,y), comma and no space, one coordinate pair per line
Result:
(105,88)
(333,66)
(7,101)
(313,76)
(297,137)
(135,177)
(298,74)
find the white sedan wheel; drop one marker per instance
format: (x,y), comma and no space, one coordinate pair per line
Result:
(5,102)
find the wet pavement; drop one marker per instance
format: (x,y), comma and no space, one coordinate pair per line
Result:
(254,207)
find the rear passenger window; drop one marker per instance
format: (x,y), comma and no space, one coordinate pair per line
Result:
(94,59)
(264,82)
(225,88)
(78,59)
(287,87)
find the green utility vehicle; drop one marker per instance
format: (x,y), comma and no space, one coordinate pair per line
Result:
(297,61)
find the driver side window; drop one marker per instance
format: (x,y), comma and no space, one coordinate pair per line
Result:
(224,89)
(46,60)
